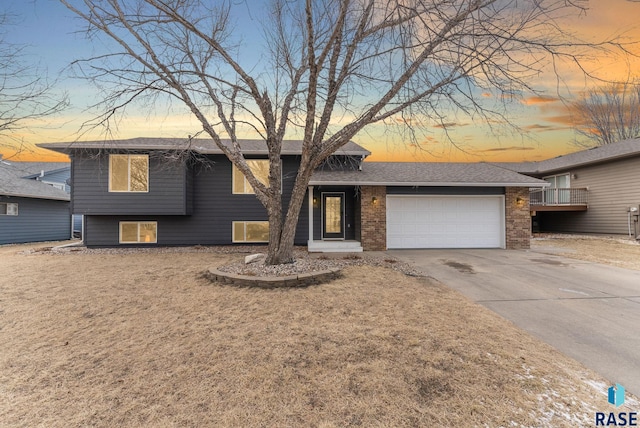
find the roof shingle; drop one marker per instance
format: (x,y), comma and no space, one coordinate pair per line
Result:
(426,174)
(609,152)
(12,183)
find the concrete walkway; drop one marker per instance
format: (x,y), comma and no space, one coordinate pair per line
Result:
(588,311)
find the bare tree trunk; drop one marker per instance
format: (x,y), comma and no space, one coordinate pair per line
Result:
(281,246)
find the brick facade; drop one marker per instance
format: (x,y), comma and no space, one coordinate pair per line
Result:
(517,218)
(373,215)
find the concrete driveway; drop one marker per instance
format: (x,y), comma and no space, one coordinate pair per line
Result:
(588,311)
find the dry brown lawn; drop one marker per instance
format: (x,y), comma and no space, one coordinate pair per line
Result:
(142,339)
(611,250)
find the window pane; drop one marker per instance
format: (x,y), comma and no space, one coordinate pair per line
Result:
(118,173)
(139,173)
(562,181)
(258,231)
(3,209)
(238,231)
(128,232)
(148,232)
(12,209)
(238,180)
(333,214)
(260,168)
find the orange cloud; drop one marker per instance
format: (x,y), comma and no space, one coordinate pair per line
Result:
(539,99)
(563,119)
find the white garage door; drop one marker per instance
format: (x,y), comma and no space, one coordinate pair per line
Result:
(445,221)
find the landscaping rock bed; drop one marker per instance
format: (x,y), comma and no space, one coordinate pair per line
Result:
(307,269)
(289,281)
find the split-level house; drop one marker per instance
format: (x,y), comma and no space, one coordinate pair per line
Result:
(590,191)
(31,207)
(161,191)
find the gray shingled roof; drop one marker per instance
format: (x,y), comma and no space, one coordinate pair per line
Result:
(32,169)
(12,183)
(606,153)
(201,145)
(427,174)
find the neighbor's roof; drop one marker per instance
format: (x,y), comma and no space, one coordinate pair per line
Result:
(34,169)
(12,183)
(427,174)
(606,153)
(200,145)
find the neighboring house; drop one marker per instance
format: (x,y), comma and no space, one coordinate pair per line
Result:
(31,210)
(146,191)
(591,191)
(56,174)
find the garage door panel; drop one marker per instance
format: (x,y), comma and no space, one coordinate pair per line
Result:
(445,221)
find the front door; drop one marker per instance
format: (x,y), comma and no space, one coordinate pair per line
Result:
(333,216)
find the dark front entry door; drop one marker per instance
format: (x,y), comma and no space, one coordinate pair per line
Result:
(333,216)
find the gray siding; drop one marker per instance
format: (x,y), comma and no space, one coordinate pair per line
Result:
(214,209)
(613,188)
(168,188)
(37,220)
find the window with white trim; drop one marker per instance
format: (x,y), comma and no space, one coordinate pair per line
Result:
(128,173)
(8,209)
(259,168)
(560,181)
(250,231)
(138,232)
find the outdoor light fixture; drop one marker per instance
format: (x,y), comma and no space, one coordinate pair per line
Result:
(374,200)
(520,201)
(315,202)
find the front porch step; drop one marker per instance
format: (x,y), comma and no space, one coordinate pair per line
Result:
(334,247)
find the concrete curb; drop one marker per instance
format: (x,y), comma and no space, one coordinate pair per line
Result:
(291,281)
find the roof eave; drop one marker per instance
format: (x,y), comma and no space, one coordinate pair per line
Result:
(588,163)
(51,198)
(424,184)
(67,149)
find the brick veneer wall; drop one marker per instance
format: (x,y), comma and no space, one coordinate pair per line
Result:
(517,218)
(373,218)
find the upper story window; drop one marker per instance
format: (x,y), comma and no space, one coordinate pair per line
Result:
(259,168)
(8,209)
(561,181)
(128,173)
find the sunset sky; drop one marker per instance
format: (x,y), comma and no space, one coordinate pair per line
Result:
(53,39)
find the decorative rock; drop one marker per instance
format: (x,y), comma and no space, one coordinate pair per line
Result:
(253,258)
(288,281)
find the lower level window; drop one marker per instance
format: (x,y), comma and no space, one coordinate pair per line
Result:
(250,231)
(138,232)
(8,209)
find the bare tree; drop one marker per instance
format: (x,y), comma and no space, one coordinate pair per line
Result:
(609,114)
(328,69)
(25,93)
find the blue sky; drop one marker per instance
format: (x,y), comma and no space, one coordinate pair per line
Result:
(53,41)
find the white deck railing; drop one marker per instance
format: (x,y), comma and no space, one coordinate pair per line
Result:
(561,196)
